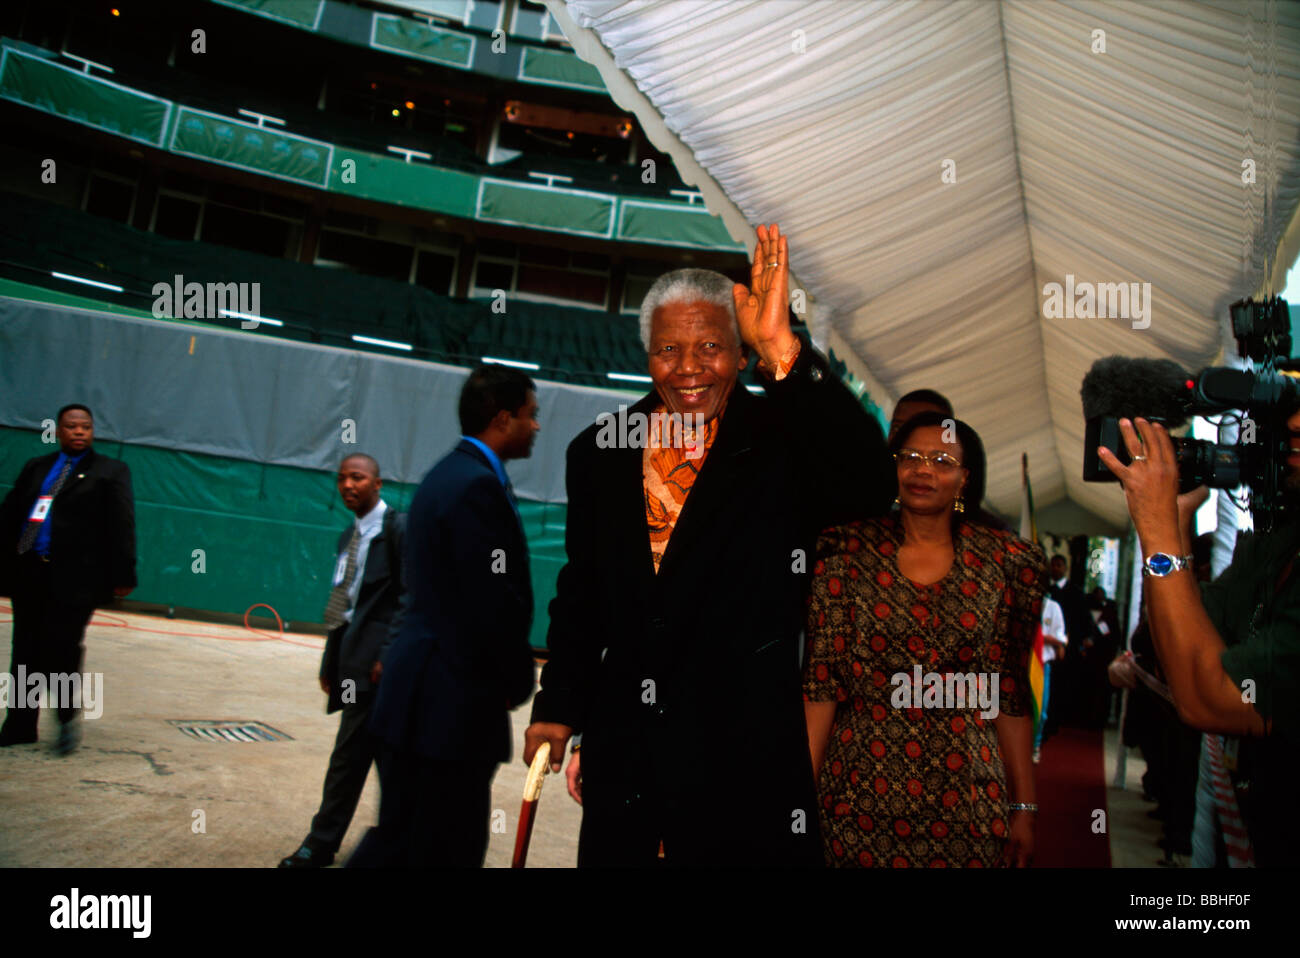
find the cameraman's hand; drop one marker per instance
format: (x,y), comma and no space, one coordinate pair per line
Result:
(1150,483)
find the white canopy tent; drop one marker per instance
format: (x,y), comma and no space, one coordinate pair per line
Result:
(937,164)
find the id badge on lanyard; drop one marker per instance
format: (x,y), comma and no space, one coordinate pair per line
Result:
(41,509)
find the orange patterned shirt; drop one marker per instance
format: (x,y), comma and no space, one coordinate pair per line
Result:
(668,474)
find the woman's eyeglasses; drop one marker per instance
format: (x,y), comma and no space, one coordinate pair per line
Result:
(911,459)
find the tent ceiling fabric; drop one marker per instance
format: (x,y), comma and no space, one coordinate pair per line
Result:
(1123,166)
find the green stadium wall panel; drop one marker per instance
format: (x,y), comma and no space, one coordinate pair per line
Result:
(672,224)
(304,14)
(450,48)
(545,207)
(530,23)
(447,45)
(90,100)
(559,68)
(247,146)
(387,179)
(458,10)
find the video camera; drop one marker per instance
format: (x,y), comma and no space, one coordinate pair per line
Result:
(1161,391)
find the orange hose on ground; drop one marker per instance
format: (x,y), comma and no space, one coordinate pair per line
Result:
(99,618)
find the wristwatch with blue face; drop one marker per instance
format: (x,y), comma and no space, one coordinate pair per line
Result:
(1160,564)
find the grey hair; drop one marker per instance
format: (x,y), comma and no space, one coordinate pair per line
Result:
(688,286)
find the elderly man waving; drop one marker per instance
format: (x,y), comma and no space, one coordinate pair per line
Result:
(675,630)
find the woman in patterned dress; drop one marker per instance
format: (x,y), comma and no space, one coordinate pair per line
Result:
(924,592)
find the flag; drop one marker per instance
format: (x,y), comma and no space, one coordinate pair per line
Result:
(1029,530)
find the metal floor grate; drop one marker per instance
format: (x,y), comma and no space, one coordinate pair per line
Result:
(210,730)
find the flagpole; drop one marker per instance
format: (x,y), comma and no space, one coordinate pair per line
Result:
(1029,530)
(1029,500)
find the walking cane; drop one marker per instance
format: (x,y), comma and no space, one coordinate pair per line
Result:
(532,795)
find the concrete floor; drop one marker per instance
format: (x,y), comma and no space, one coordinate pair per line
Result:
(129,796)
(1133,835)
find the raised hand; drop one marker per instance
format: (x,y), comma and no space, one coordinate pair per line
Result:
(762,307)
(1150,482)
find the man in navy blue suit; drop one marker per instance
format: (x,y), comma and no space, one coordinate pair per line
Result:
(461,660)
(67,545)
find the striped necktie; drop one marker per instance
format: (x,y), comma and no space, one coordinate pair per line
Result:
(339,599)
(32,529)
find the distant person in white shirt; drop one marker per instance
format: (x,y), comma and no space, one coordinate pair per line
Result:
(1055,640)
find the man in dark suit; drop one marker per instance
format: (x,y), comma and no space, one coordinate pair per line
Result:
(461,660)
(915,403)
(67,544)
(676,628)
(1069,678)
(1098,650)
(363,611)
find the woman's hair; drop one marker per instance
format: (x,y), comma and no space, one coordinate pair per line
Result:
(929,397)
(972,452)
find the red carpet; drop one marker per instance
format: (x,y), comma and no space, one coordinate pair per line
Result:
(1071,787)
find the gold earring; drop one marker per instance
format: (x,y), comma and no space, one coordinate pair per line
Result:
(958,505)
(897,504)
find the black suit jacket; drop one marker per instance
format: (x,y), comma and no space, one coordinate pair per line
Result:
(352,648)
(92,531)
(1078,620)
(685,684)
(461,659)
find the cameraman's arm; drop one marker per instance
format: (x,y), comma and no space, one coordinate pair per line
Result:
(1191,652)
(1186,641)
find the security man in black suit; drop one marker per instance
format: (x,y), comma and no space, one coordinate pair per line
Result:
(364,610)
(1073,672)
(67,544)
(461,660)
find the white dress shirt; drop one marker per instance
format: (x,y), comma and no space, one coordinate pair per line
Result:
(1053,626)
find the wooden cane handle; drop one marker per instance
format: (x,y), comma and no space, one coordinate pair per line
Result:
(537,773)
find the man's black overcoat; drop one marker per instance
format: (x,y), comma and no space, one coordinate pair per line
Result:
(685,684)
